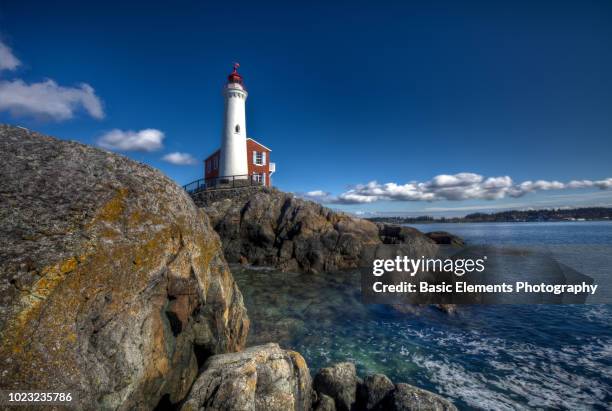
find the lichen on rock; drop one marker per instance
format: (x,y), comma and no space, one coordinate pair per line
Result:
(112,282)
(263,377)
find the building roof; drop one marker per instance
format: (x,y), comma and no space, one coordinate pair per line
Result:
(255,141)
(212,154)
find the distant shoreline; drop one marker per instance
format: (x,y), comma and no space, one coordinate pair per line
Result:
(515,216)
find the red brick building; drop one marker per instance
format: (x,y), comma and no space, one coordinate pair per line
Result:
(260,169)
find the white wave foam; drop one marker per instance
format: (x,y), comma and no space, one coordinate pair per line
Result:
(471,387)
(539,377)
(598,314)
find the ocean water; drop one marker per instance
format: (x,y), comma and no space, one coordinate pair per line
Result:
(483,357)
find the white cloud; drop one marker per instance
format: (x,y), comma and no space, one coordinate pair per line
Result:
(45,99)
(601,184)
(8,61)
(148,139)
(457,187)
(317,195)
(181,159)
(48,99)
(461,179)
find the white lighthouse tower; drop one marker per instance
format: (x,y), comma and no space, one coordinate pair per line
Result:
(233,159)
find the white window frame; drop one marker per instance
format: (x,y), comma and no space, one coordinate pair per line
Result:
(259,158)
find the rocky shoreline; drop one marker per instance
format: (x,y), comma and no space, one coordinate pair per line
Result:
(115,285)
(266,377)
(266,227)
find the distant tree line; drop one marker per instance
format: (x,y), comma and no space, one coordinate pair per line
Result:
(553,214)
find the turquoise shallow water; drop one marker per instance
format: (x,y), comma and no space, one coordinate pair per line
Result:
(483,357)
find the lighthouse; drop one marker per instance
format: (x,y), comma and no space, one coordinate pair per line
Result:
(233,159)
(239,157)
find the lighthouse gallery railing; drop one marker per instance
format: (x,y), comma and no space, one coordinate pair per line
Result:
(218,183)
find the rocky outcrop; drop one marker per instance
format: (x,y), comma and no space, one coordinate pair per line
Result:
(270,228)
(266,377)
(444,238)
(263,377)
(112,282)
(339,389)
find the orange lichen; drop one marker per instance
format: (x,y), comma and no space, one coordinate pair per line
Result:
(251,383)
(68,265)
(50,278)
(298,360)
(122,271)
(113,209)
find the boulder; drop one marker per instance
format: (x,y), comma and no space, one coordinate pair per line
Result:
(397,234)
(373,390)
(112,282)
(444,238)
(263,377)
(406,397)
(340,383)
(338,388)
(267,227)
(324,403)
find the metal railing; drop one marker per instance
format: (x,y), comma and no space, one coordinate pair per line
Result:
(218,183)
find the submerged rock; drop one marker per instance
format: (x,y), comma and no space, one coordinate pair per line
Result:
(446,308)
(265,226)
(112,282)
(263,377)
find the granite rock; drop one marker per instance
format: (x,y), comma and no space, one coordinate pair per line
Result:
(267,227)
(338,388)
(373,390)
(324,403)
(112,281)
(263,377)
(445,238)
(406,397)
(340,383)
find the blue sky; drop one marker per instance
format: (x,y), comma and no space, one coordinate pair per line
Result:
(344,93)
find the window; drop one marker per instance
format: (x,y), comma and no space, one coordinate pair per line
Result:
(208,166)
(215,163)
(259,158)
(237,128)
(259,178)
